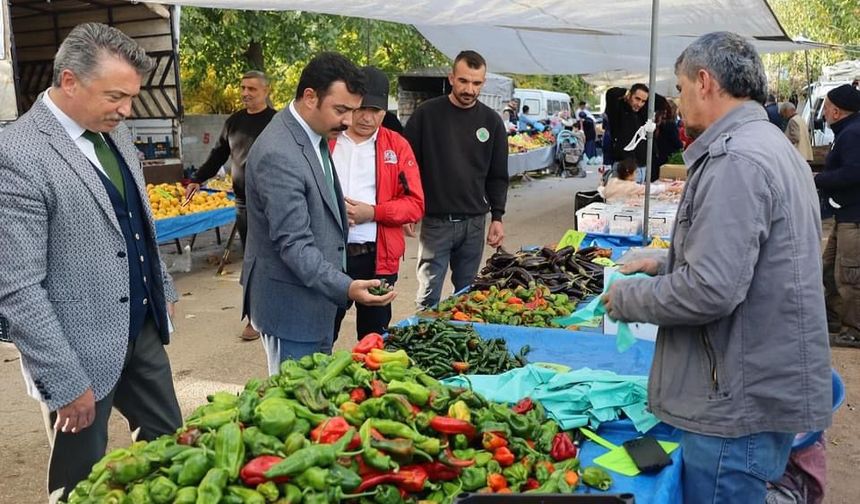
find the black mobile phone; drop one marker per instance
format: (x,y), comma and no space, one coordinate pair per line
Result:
(647,454)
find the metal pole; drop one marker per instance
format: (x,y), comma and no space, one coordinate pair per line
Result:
(652,96)
(811,125)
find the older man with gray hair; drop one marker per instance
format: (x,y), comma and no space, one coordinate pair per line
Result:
(82,283)
(796,130)
(742,360)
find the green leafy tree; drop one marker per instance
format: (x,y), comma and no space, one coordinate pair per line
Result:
(829,21)
(218,46)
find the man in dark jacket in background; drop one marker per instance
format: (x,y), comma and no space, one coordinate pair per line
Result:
(238,135)
(772,109)
(840,185)
(627,112)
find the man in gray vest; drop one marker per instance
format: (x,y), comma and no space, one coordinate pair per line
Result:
(82,284)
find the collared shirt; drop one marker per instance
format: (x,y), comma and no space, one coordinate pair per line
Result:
(313,135)
(355,164)
(74,130)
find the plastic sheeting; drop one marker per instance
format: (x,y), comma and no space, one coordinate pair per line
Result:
(191,224)
(552,37)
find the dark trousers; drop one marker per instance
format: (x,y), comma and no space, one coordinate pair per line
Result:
(144,395)
(242,222)
(368,318)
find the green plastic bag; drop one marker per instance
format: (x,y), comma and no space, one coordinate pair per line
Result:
(625,339)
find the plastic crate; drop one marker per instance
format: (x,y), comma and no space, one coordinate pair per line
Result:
(467,498)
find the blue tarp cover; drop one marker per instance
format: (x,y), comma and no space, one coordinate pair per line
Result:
(191,224)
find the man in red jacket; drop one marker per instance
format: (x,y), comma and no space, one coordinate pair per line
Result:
(382,188)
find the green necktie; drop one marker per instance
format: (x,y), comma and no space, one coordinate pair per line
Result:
(329,178)
(107,159)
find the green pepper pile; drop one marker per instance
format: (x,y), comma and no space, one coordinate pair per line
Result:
(443,349)
(328,428)
(532,306)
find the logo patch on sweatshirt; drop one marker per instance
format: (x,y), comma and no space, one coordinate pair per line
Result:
(482,134)
(389,157)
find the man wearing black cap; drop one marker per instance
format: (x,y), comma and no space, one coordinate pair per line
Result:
(840,184)
(382,189)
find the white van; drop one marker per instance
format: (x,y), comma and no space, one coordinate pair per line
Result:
(542,104)
(812,110)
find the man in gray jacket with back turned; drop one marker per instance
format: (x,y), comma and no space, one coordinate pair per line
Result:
(742,360)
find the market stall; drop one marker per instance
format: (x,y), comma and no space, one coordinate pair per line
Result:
(174,218)
(532,160)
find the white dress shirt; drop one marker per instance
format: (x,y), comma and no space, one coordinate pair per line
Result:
(75,131)
(355,164)
(313,135)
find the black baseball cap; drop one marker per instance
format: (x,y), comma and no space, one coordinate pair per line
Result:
(377,88)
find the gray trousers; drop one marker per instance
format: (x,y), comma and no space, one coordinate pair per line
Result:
(441,242)
(144,395)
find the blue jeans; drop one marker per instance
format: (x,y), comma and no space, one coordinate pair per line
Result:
(278,350)
(732,470)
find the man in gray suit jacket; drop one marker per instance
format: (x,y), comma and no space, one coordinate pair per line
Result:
(82,284)
(293,273)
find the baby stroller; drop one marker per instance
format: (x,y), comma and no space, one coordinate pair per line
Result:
(568,154)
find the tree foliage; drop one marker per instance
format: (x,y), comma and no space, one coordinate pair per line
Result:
(218,46)
(829,21)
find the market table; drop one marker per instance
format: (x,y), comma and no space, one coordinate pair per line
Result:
(170,229)
(535,159)
(579,349)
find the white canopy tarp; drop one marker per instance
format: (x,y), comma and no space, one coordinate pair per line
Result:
(553,36)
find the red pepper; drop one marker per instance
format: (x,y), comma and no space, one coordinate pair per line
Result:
(189,436)
(503,456)
(357,395)
(437,471)
(371,363)
(493,440)
(447,457)
(378,388)
(531,484)
(448,425)
(515,300)
(359,357)
(409,478)
(496,482)
(331,430)
(460,367)
(524,406)
(562,447)
(253,473)
(368,343)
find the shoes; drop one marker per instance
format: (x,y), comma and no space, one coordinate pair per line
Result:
(848,338)
(250,334)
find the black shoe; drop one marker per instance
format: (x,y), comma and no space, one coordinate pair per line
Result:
(847,338)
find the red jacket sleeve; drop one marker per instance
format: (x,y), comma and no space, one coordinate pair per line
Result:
(408,203)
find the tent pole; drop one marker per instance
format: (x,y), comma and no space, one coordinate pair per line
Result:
(652,98)
(811,125)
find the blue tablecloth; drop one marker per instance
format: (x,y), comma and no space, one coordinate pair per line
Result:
(587,349)
(191,224)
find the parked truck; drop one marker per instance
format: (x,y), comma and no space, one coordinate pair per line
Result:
(418,85)
(30,34)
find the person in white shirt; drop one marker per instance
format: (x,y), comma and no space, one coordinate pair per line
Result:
(382,190)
